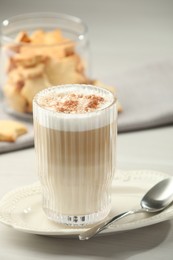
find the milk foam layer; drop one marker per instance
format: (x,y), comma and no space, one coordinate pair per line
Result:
(48,117)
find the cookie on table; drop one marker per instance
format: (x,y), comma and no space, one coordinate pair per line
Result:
(10,130)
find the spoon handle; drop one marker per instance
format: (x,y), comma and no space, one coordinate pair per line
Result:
(101,226)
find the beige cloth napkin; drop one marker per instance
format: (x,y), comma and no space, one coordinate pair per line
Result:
(145,93)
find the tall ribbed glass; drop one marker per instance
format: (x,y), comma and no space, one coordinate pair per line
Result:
(76,158)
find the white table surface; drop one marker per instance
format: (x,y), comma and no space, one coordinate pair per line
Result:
(124,35)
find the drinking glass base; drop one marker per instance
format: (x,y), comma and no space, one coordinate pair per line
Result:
(79,220)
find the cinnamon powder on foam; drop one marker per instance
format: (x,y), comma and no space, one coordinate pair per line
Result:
(72,103)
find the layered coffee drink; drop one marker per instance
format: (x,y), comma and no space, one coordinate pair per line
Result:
(75,139)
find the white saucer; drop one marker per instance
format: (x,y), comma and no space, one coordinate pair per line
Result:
(21,208)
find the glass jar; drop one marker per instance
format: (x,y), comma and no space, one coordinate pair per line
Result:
(40,50)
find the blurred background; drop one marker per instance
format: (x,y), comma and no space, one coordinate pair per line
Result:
(123,34)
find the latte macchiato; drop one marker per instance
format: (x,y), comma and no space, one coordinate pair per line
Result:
(75,140)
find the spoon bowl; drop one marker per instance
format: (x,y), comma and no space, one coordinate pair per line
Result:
(155,200)
(159,196)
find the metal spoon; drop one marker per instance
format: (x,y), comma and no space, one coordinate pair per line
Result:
(155,200)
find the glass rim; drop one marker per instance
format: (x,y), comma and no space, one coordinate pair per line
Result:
(36,15)
(56,113)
